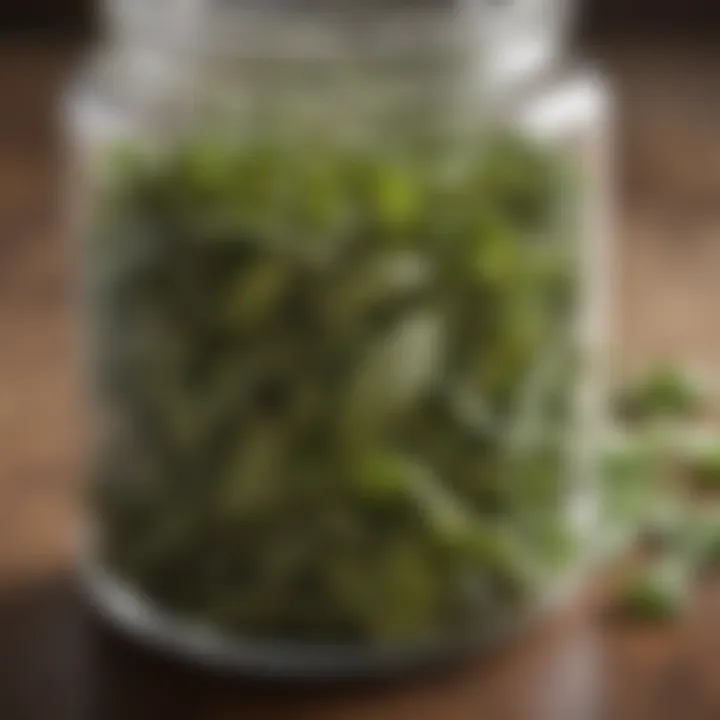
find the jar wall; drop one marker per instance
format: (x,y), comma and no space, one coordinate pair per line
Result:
(335,354)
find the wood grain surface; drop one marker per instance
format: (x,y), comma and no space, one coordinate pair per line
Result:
(57,664)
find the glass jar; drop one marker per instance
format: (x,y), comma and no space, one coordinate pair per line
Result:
(333,284)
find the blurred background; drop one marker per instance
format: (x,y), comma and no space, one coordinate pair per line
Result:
(662,58)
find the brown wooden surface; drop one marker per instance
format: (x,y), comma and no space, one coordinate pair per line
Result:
(55,664)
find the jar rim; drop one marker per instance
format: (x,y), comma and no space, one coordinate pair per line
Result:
(238,31)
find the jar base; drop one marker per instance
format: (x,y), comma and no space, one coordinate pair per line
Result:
(139,620)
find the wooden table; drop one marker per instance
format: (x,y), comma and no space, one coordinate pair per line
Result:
(55,664)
